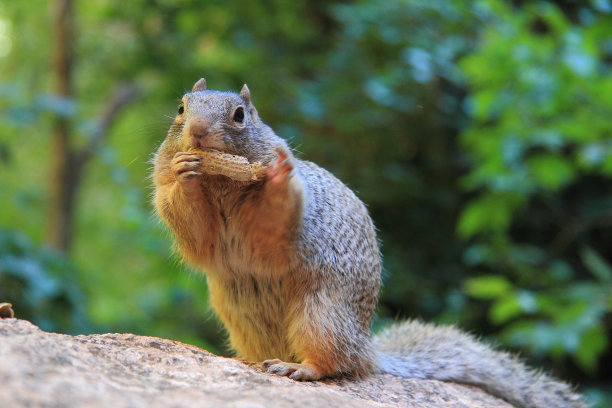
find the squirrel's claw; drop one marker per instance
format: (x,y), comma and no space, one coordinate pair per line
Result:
(282,169)
(185,167)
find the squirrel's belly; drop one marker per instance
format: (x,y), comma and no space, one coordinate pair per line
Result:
(254,312)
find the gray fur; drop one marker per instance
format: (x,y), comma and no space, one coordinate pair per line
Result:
(420,350)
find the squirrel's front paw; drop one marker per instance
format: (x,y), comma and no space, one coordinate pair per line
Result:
(281,170)
(185,167)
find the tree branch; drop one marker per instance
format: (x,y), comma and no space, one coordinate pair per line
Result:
(124,95)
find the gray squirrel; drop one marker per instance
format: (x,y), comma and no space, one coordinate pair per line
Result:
(293,265)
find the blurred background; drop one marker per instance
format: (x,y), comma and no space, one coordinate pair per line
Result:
(477,132)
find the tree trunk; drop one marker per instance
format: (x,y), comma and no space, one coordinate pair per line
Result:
(63,175)
(68,161)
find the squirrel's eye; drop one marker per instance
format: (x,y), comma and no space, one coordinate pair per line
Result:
(239,115)
(181,109)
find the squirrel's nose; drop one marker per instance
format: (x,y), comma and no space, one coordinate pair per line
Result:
(198,128)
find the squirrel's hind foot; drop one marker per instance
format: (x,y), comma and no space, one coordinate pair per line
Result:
(295,371)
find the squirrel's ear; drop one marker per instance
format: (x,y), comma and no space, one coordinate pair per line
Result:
(246,94)
(200,85)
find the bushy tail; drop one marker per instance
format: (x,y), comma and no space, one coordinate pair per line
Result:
(418,350)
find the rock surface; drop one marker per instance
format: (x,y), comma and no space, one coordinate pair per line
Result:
(40,369)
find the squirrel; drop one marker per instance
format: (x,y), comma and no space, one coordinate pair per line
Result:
(293,265)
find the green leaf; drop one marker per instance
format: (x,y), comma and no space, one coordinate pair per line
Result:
(492,212)
(511,305)
(488,287)
(551,171)
(596,264)
(504,309)
(570,313)
(592,343)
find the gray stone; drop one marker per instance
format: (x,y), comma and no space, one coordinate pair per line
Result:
(40,369)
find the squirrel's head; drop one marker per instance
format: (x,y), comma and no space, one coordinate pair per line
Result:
(223,121)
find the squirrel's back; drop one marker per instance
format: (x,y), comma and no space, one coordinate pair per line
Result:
(338,239)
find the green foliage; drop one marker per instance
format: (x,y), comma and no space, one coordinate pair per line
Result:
(490,212)
(558,320)
(538,144)
(37,281)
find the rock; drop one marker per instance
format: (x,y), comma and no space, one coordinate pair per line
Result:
(6,311)
(124,370)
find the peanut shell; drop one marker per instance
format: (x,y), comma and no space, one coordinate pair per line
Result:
(230,165)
